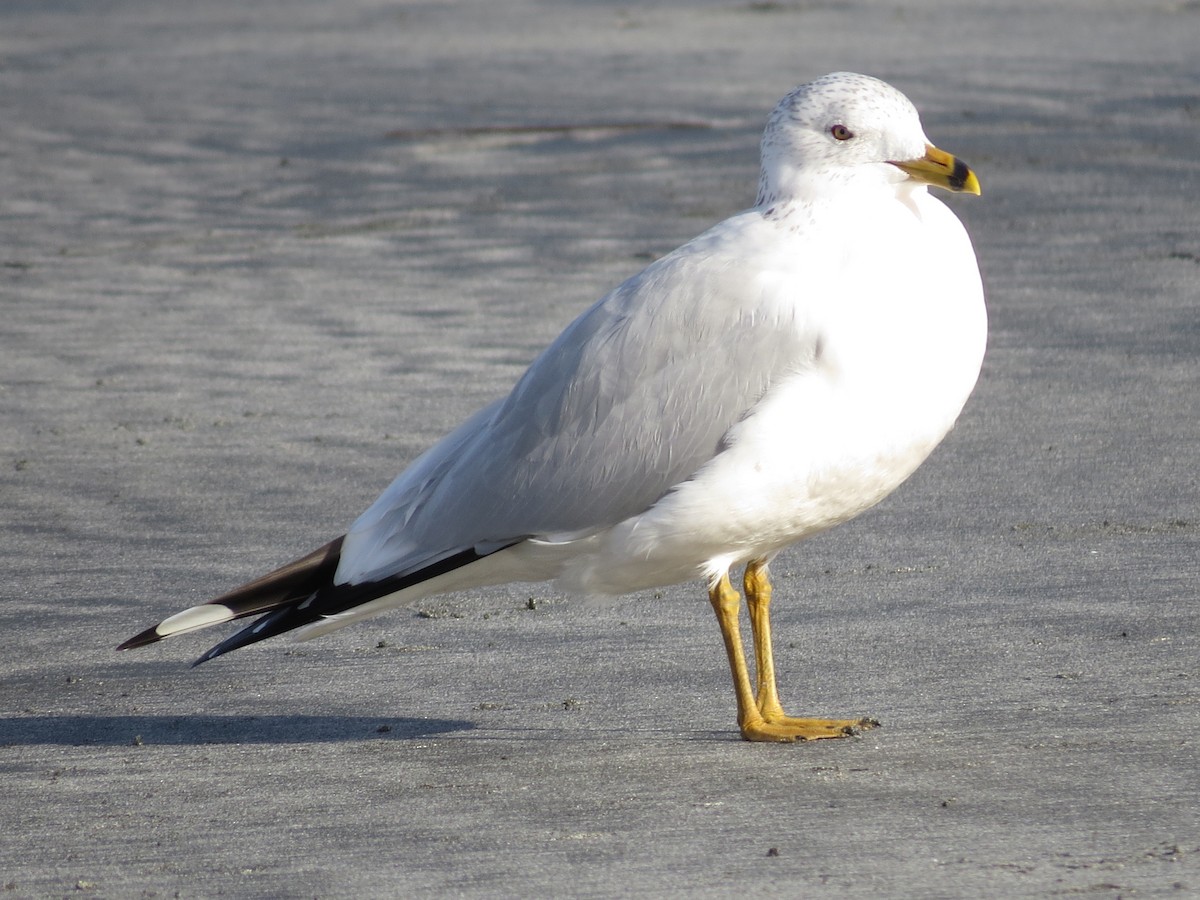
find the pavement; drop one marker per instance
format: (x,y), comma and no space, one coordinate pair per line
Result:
(255,257)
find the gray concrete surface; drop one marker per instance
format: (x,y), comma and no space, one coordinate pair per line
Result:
(255,256)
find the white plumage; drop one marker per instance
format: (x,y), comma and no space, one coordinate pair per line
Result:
(773,377)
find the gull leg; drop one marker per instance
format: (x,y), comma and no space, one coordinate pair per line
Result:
(726,603)
(758,602)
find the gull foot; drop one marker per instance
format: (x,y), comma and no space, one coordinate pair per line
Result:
(786,729)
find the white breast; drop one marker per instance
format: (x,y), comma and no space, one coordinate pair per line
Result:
(893,370)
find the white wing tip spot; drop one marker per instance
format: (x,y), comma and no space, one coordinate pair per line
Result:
(192,619)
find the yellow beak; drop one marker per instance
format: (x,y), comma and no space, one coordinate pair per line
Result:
(939,168)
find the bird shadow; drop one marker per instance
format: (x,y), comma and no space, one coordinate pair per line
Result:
(114,731)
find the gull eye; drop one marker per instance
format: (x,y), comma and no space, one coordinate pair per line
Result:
(841,133)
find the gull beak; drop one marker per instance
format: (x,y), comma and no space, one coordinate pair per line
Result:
(939,168)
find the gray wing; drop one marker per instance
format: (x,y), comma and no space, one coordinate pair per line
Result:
(629,401)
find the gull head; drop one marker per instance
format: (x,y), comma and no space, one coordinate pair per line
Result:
(844,131)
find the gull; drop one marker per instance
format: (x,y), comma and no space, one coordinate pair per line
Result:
(773,377)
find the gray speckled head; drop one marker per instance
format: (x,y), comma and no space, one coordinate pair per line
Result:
(836,128)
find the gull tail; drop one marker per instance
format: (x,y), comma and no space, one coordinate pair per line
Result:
(300,594)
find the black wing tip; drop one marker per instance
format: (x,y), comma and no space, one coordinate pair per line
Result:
(315,602)
(278,621)
(211,654)
(280,588)
(149,636)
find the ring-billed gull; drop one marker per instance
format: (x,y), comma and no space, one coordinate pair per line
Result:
(775,376)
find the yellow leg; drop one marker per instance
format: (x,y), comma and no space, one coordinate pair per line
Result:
(727,603)
(758,601)
(760,716)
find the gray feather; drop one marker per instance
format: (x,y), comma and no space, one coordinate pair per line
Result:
(622,407)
